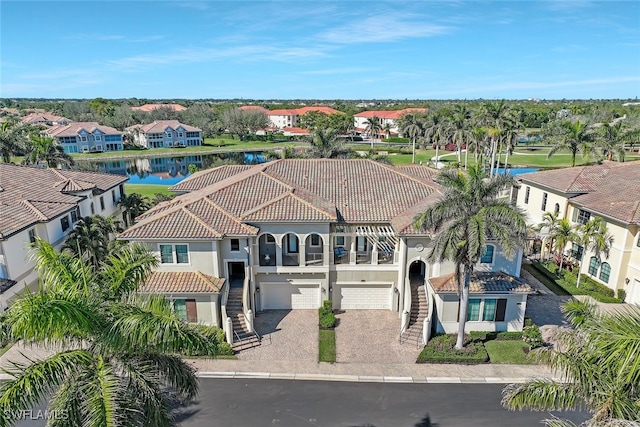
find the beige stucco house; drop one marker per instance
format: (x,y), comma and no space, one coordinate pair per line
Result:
(291,233)
(45,203)
(611,191)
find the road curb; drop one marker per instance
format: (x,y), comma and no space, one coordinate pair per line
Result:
(360,378)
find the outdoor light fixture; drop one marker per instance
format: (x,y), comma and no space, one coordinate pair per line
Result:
(396,291)
(323,290)
(626,280)
(257,289)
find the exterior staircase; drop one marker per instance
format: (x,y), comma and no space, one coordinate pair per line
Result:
(419,311)
(245,339)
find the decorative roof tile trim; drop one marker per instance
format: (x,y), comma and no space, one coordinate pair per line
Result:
(201,222)
(35,210)
(181,282)
(284,196)
(483,283)
(250,228)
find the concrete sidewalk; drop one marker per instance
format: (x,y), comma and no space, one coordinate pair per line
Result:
(370,372)
(355,372)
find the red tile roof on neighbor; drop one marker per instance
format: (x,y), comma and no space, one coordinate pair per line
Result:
(160,126)
(165,282)
(390,114)
(254,107)
(296,131)
(230,200)
(36,118)
(73,129)
(483,283)
(150,107)
(30,195)
(611,189)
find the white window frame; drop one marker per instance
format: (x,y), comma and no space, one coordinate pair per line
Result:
(174,254)
(83,138)
(97,137)
(317,245)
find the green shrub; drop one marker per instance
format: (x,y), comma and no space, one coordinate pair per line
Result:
(588,284)
(217,335)
(327,319)
(567,281)
(509,336)
(397,139)
(531,335)
(622,294)
(528,321)
(441,350)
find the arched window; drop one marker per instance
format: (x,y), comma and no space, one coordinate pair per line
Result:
(487,257)
(594,263)
(556,208)
(605,271)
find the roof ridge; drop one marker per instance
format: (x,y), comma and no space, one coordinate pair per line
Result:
(311,205)
(265,204)
(199,221)
(393,169)
(205,279)
(35,210)
(247,227)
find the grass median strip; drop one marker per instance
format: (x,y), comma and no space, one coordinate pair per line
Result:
(327,345)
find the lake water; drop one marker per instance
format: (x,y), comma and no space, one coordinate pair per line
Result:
(518,171)
(168,170)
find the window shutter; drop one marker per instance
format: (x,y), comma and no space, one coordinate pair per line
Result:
(501,309)
(192,312)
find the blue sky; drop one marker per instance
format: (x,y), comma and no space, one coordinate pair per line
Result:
(320,49)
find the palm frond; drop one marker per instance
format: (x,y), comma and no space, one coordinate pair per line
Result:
(541,395)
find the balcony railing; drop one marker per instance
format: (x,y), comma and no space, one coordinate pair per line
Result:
(313,258)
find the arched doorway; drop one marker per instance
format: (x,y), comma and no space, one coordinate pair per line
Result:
(417,271)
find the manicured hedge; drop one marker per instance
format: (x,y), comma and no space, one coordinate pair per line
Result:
(327,320)
(567,281)
(485,336)
(440,349)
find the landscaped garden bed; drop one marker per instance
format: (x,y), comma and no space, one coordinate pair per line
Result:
(327,333)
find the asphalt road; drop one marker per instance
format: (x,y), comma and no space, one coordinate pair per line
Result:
(236,402)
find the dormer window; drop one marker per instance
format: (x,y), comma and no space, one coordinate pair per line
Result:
(83,138)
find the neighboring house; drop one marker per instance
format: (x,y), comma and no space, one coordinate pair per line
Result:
(611,191)
(291,233)
(165,134)
(288,119)
(44,119)
(45,203)
(150,107)
(389,117)
(86,137)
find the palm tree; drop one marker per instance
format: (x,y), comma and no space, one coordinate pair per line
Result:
(593,236)
(561,235)
(549,226)
(373,128)
(132,205)
(325,144)
(478,143)
(410,126)
(46,149)
(612,138)
(460,122)
(467,216)
(573,136)
(115,359)
(387,129)
(598,365)
(13,139)
(436,130)
(92,238)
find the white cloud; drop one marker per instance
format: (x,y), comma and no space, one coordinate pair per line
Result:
(384,28)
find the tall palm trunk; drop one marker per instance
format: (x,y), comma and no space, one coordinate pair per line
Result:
(437,146)
(580,267)
(464,305)
(506,160)
(413,155)
(466,157)
(493,155)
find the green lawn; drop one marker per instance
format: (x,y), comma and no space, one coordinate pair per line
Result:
(327,345)
(148,190)
(511,352)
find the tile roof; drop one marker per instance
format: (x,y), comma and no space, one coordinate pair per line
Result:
(36,118)
(72,129)
(304,190)
(483,283)
(150,107)
(390,114)
(292,111)
(30,195)
(160,126)
(181,282)
(611,189)
(207,177)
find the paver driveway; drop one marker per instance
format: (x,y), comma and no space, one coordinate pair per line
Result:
(286,335)
(371,336)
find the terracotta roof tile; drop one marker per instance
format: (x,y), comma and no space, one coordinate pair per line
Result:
(151,107)
(611,189)
(207,177)
(32,195)
(483,283)
(160,126)
(288,208)
(72,129)
(181,282)
(390,114)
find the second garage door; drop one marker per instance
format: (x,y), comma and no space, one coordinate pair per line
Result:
(358,297)
(280,296)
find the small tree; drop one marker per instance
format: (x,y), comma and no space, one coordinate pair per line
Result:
(593,236)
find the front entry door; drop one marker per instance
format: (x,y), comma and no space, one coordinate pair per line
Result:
(236,274)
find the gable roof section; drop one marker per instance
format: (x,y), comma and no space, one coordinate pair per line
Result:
(33,195)
(483,283)
(288,207)
(181,282)
(72,129)
(207,177)
(159,126)
(611,189)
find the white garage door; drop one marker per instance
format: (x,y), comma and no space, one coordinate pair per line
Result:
(276,296)
(634,293)
(350,297)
